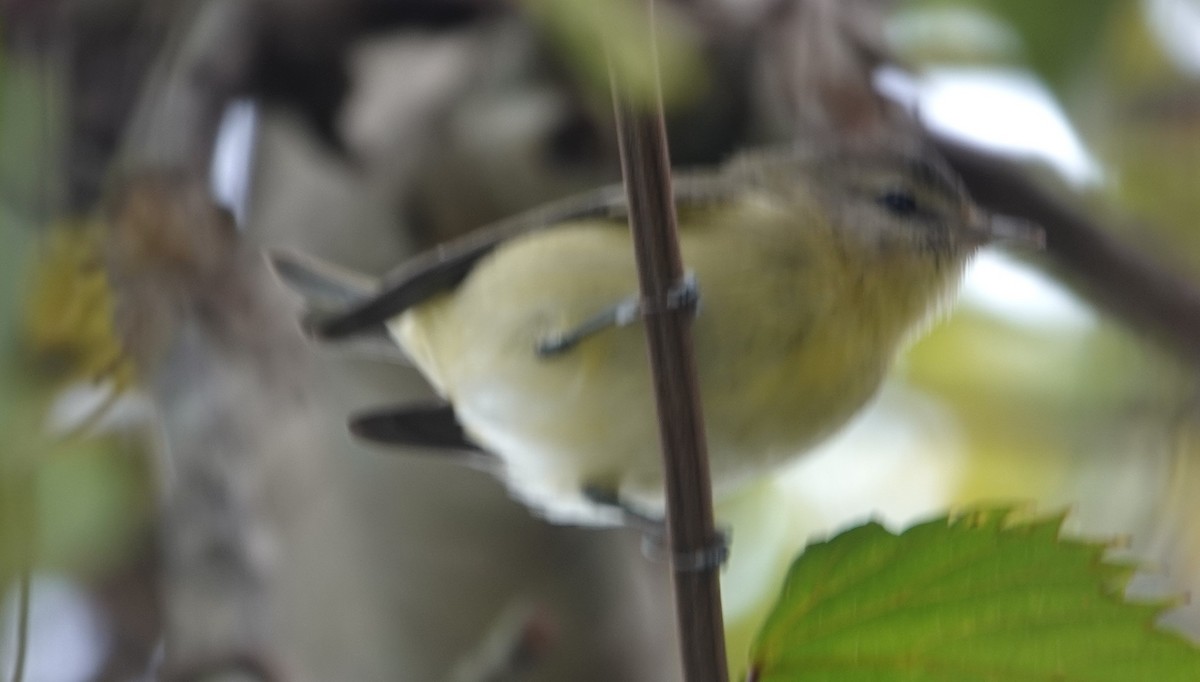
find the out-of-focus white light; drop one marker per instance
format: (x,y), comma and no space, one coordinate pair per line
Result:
(82,402)
(1007,288)
(67,642)
(1177,25)
(1003,110)
(233,157)
(898,461)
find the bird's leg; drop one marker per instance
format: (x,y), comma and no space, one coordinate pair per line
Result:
(713,556)
(634,518)
(620,315)
(685,295)
(654,535)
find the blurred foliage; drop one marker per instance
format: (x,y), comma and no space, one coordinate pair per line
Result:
(1057,39)
(1156,145)
(1044,404)
(70,307)
(1150,133)
(66,503)
(1136,109)
(15,459)
(30,130)
(973,596)
(1040,404)
(594,35)
(91,504)
(80,499)
(1060,37)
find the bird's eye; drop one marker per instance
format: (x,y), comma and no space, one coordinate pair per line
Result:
(899,202)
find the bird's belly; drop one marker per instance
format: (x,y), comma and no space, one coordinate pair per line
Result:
(564,433)
(773,380)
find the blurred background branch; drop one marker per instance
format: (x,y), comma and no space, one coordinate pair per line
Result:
(1114,274)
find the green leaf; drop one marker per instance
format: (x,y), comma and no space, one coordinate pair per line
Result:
(970,597)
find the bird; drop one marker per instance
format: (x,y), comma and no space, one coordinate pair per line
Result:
(810,267)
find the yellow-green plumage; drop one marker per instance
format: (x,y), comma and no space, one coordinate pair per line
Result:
(796,326)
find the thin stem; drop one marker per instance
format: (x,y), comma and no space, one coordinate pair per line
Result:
(645,167)
(21,514)
(24,582)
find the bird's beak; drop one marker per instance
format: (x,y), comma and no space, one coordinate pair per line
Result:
(993,228)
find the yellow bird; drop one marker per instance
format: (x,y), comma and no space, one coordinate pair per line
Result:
(813,267)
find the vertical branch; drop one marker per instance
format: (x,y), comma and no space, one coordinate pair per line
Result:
(645,167)
(215,354)
(216,357)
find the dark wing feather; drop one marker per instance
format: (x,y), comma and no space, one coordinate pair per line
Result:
(321,284)
(430,426)
(445,267)
(327,290)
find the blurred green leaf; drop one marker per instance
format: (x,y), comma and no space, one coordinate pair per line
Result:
(90,502)
(969,597)
(31,128)
(15,409)
(594,33)
(960,34)
(68,504)
(1058,37)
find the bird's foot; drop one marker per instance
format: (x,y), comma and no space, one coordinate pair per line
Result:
(655,545)
(684,295)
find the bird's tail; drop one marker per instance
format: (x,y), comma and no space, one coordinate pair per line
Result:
(329,289)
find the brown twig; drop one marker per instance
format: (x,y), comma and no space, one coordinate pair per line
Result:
(645,167)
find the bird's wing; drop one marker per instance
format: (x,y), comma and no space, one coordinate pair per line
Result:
(327,290)
(321,284)
(445,267)
(432,426)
